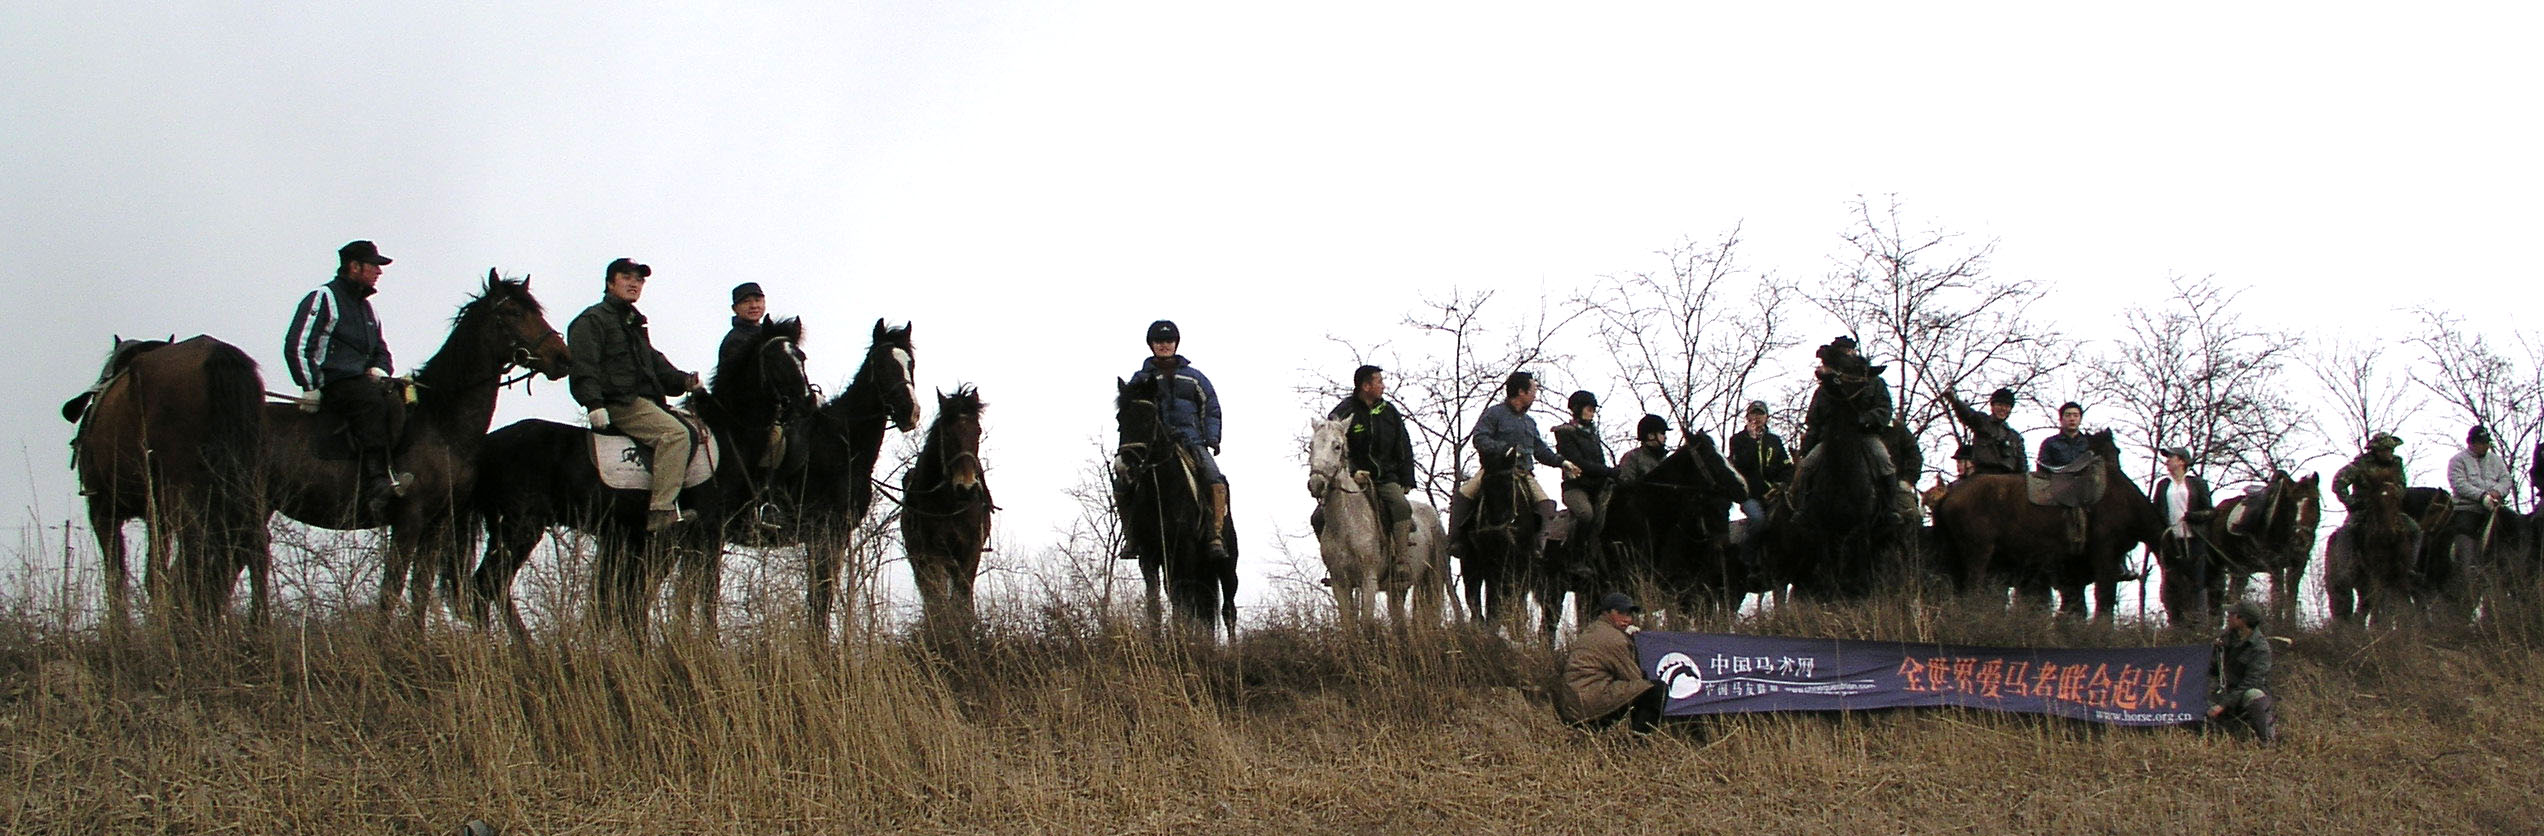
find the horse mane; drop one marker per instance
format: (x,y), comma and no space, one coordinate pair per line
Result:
(498,289)
(965,401)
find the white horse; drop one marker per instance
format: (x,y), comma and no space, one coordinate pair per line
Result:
(1356,562)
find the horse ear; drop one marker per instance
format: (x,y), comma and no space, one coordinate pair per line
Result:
(525,282)
(492,278)
(1877,370)
(878,328)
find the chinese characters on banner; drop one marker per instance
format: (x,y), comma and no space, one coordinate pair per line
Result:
(1716,673)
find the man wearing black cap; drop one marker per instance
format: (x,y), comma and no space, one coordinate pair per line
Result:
(341,362)
(1763,463)
(1191,407)
(621,378)
(2243,676)
(1996,447)
(2480,482)
(750,307)
(1651,436)
(1603,681)
(1381,450)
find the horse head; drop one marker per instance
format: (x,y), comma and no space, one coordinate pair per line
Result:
(1139,428)
(771,373)
(957,431)
(516,326)
(1713,469)
(892,356)
(2305,511)
(1328,455)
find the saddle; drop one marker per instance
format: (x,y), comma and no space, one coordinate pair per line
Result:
(2079,484)
(626,464)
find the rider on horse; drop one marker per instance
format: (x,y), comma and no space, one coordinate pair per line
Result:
(1840,360)
(1577,441)
(1501,430)
(341,361)
(750,311)
(2479,480)
(1763,463)
(1995,446)
(1652,445)
(2377,463)
(1381,450)
(2068,446)
(621,378)
(1190,407)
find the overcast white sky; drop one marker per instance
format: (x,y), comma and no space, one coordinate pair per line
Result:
(1032,183)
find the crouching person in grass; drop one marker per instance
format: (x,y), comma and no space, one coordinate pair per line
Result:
(1602,681)
(2243,676)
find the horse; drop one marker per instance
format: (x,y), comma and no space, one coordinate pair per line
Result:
(1987,515)
(1673,527)
(168,435)
(453,394)
(536,474)
(1163,506)
(835,486)
(1829,526)
(1358,565)
(1504,536)
(2374,560)
(945,509)
(2290,511)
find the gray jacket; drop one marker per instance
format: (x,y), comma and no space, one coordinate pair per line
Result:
(1500,430)
(2470,476)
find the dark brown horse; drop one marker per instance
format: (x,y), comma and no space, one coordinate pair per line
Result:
(169,437)
(1163,506)
(2282,544)
(2373,562)
(945,509)
(1989,520)
(835,485)
(454,392)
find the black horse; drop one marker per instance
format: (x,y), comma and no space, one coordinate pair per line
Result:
(835,485)
(534,474)
(1503,539)
(1164,506)
(1827,528)
(1670,529)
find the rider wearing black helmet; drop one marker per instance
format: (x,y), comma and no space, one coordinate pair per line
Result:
(1191,411)
(1652,445)
(1578,442)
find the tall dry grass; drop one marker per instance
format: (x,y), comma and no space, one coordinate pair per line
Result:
(1057,715)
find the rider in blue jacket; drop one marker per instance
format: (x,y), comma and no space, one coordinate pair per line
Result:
(1191,411)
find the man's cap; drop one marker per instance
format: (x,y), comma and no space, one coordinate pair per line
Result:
(2478,435)
(627,265)
(362,251)
(1651,425)
(2248,611)
(1164,331)
(2175,452)
(1757,407)
(1581,399)
(2384,441)
(747,290)
(2079,408)
(2003,395)
(1843,342)
(1618,602)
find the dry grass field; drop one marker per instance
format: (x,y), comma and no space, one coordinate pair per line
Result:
(1060,719)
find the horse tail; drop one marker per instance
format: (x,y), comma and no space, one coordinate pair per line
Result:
(233,419)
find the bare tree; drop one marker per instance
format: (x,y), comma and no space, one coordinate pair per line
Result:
(1693,338)
(2368,391)
(2191,374)
(2480,384)
(1924,301)
(1451,368)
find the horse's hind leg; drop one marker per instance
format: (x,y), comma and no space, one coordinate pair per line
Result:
(109,531)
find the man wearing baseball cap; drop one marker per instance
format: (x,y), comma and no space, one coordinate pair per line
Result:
(2243,682)
(339,357)
(1603,680)
(750,310)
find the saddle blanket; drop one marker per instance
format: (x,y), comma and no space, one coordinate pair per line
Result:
(626,464)
(2078,485)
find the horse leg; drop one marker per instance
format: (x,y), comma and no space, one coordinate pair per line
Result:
(109,530)
(821,581)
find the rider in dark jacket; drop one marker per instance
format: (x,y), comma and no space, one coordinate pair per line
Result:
(1379,446)
(750,312)
(1995,446)
(1578,442)
(1190,406)
(622,380)
(341,361)
(2069,445)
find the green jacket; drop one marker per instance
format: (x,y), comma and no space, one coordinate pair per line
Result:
(2246,672)
(614,358)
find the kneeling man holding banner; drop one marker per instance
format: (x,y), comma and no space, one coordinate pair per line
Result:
(1603,681)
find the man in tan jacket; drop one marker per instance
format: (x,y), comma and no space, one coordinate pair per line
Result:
(1603,682)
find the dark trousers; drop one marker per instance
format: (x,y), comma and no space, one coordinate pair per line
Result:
(364,404)
(1641,716)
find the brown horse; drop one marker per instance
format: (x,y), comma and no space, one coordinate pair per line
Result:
(454,400)
(2374,557)
(1991,515)
(945,509)
(2282,544)
(168,436)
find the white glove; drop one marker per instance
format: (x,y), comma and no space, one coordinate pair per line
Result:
(599,419)
(378,373)
(309,400)
(1571,471)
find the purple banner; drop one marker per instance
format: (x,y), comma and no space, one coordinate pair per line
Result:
(1721,673)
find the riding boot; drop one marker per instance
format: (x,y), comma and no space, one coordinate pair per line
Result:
(2260,714)
(375,487)
(1218,521)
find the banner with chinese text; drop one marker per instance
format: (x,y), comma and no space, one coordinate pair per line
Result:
(1718,673)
